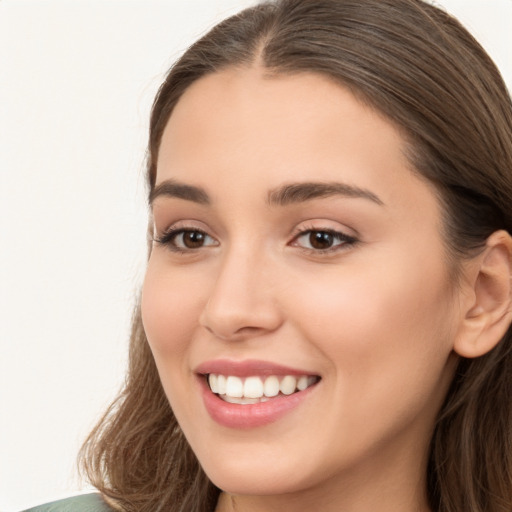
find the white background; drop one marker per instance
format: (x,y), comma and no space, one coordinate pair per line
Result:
(76,82)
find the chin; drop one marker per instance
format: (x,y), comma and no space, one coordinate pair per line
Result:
(255,483)
(260,476)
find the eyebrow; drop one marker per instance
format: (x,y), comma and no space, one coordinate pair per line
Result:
(287,194)
(301,192)
(174,188)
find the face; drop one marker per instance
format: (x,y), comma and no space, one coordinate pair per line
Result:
(297,257)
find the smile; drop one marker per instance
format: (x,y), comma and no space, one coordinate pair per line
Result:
(255,389)
(252,393)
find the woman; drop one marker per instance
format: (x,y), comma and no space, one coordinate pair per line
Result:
(325,317)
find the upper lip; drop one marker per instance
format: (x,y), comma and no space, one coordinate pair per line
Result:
(248,368)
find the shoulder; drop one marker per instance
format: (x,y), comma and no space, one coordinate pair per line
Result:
(84,503)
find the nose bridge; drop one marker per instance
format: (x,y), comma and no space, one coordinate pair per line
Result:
(241,302)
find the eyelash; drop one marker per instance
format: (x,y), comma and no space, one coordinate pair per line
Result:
(168,239)
(344,240)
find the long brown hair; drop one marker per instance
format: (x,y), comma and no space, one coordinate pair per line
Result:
(421,69)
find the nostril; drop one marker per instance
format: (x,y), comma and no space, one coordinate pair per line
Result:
(224,333)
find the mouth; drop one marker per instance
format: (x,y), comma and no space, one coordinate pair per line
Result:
(257,389)
(253,393)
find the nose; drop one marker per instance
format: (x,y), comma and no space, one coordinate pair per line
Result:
(242,303)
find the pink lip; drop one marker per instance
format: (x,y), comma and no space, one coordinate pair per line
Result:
(247,416)
(247,368)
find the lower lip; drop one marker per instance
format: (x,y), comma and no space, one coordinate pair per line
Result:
(244,416)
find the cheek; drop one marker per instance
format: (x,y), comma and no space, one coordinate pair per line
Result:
(387,333)
(395,293)
(171,305)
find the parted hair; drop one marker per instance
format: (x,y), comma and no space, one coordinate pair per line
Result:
(416,65)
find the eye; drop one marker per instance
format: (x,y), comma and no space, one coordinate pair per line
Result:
(183,239)
(322,240)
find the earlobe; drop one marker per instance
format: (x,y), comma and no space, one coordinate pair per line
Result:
(489,315)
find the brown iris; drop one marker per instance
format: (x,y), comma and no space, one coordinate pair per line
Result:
(321,239)
(193,239)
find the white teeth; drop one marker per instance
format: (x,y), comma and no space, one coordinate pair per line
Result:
(221,385)
(271,386)
(257,389)
(212,381)
(234,387)
(288,385)
(302,383)
(253,387)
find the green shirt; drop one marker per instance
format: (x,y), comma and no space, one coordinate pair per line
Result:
(83,503)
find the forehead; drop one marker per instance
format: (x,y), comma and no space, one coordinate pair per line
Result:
(242,128)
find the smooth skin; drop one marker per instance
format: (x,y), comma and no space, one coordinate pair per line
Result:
(374,311)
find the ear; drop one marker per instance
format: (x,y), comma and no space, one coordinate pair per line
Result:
(488,306)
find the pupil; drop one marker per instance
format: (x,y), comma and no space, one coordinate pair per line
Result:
(320,240)
(193,239)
